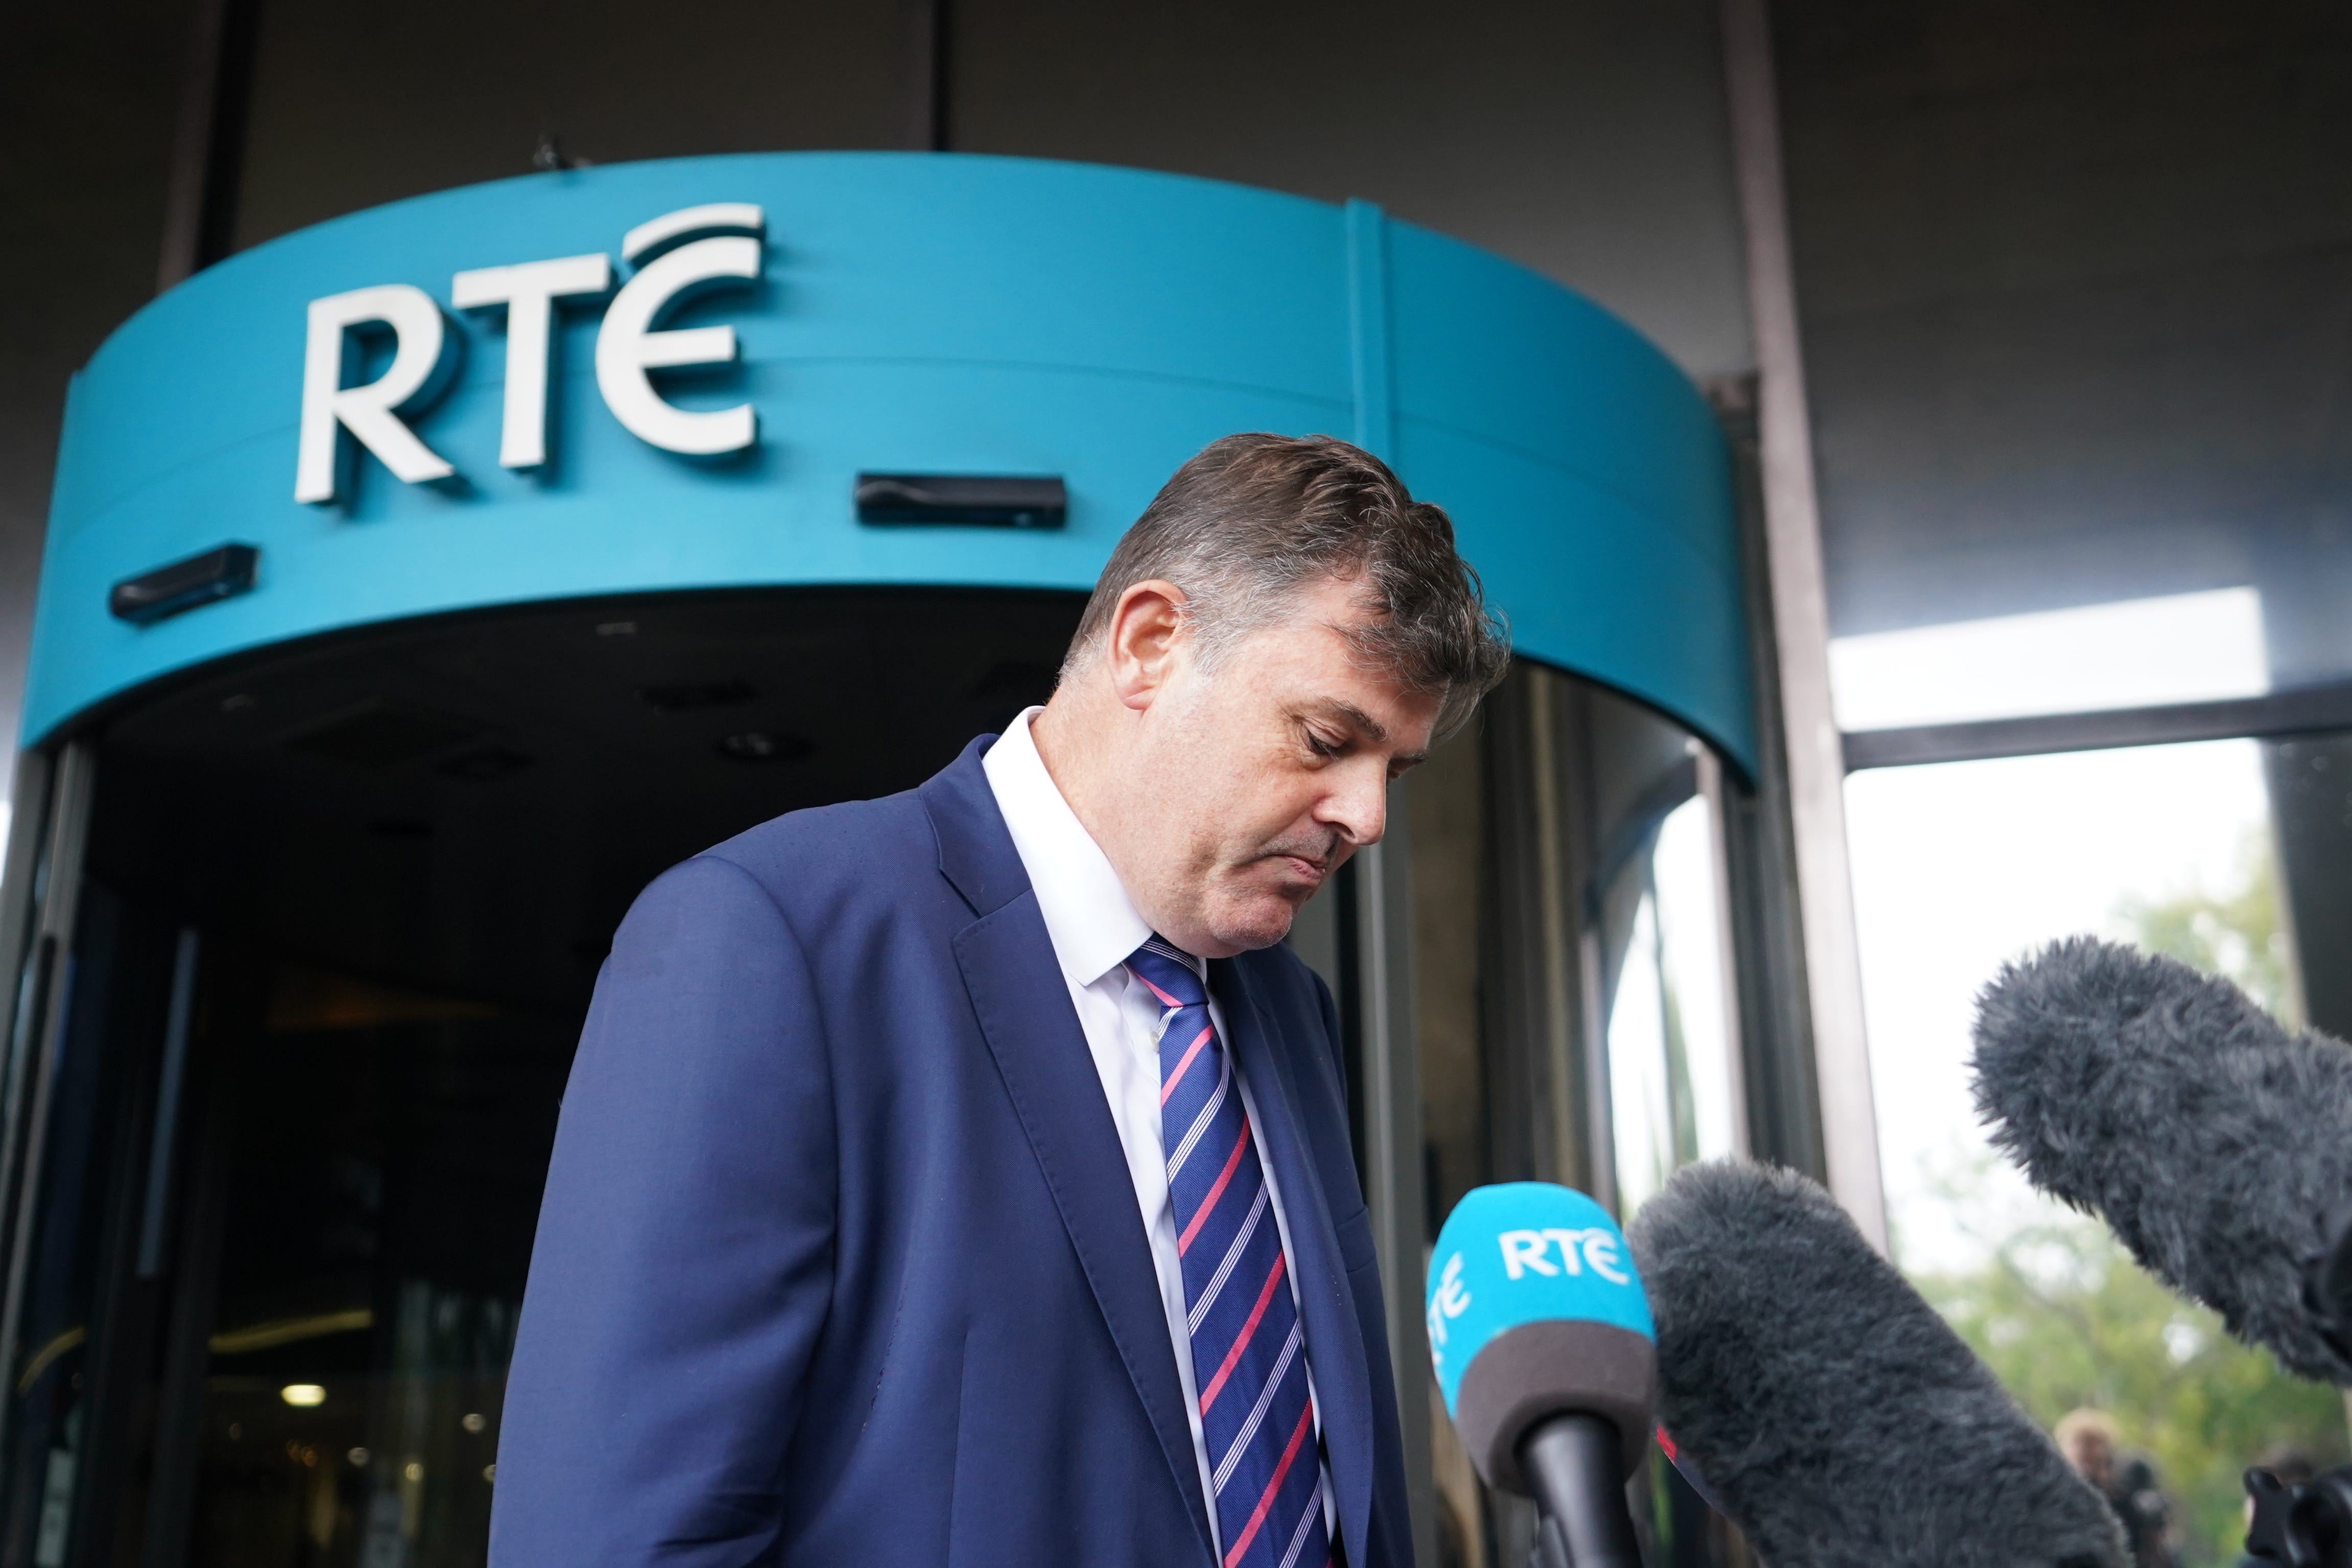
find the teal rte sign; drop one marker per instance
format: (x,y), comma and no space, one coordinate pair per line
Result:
(670,375)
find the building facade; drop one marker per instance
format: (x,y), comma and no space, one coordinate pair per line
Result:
(506,453)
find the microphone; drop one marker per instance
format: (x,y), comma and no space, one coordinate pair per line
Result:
(2217,1146)
(1540,1338)
(1835,1417)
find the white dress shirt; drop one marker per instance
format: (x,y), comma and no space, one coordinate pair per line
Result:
(1094,926)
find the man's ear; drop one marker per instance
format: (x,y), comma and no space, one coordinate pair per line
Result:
(1145,640)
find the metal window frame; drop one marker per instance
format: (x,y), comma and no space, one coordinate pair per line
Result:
(39,904)
(1394,1188)
(1814,771)
(2306,710)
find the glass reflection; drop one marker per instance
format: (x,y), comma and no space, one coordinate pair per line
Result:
(1574,1010)
(383,1182)
(1670,1046)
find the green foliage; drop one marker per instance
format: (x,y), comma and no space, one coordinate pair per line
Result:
(2065,1319)
(2236,933)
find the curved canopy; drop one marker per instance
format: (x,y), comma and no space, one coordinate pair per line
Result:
(728,343)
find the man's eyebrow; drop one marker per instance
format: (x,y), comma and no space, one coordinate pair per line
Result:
(1379,734)
(1374,730)
(1362,720)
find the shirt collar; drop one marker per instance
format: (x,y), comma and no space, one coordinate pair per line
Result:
(1093,924)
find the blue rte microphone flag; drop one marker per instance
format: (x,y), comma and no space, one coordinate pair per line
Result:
(1534,1308)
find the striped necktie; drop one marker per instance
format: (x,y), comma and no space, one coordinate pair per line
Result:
(1249,1349)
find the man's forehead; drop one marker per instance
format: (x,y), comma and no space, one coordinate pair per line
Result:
(1320,657)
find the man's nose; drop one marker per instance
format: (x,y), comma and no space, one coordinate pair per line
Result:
(1359,806)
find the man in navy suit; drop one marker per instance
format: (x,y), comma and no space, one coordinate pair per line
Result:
(963,1177)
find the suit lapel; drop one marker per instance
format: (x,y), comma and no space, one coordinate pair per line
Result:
(1024,1013)
(1335,1340)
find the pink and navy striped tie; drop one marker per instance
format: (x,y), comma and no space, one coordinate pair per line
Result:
(1249,1349)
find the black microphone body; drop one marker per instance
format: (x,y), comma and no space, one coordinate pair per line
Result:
(1575,1465)
(1826,1408)
(2217,1146)
(2306,1526)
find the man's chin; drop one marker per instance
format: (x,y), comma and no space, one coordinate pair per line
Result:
(1258,921)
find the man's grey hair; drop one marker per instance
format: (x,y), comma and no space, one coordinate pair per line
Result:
(1252,519)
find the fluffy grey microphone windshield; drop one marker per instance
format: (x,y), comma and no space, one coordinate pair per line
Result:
(2217,1146)
(1840,1421)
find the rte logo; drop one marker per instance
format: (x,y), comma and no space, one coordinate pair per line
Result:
(1523,1251)
(676,257)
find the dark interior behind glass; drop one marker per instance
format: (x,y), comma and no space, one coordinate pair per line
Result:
(282,1245)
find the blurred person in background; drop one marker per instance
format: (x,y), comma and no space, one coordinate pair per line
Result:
(2092,1445)
(2293,1467)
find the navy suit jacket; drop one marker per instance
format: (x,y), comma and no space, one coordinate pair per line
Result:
(840,1262)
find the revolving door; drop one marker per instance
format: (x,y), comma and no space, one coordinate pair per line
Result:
(339,911)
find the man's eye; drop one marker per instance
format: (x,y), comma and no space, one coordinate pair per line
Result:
(1322,748)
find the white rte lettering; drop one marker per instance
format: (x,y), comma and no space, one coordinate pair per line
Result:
(680,260)
(422,360)
(627,347)
(1522,1250)
(529,291)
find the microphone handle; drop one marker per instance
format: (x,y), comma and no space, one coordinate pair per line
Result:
(1575,1465)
